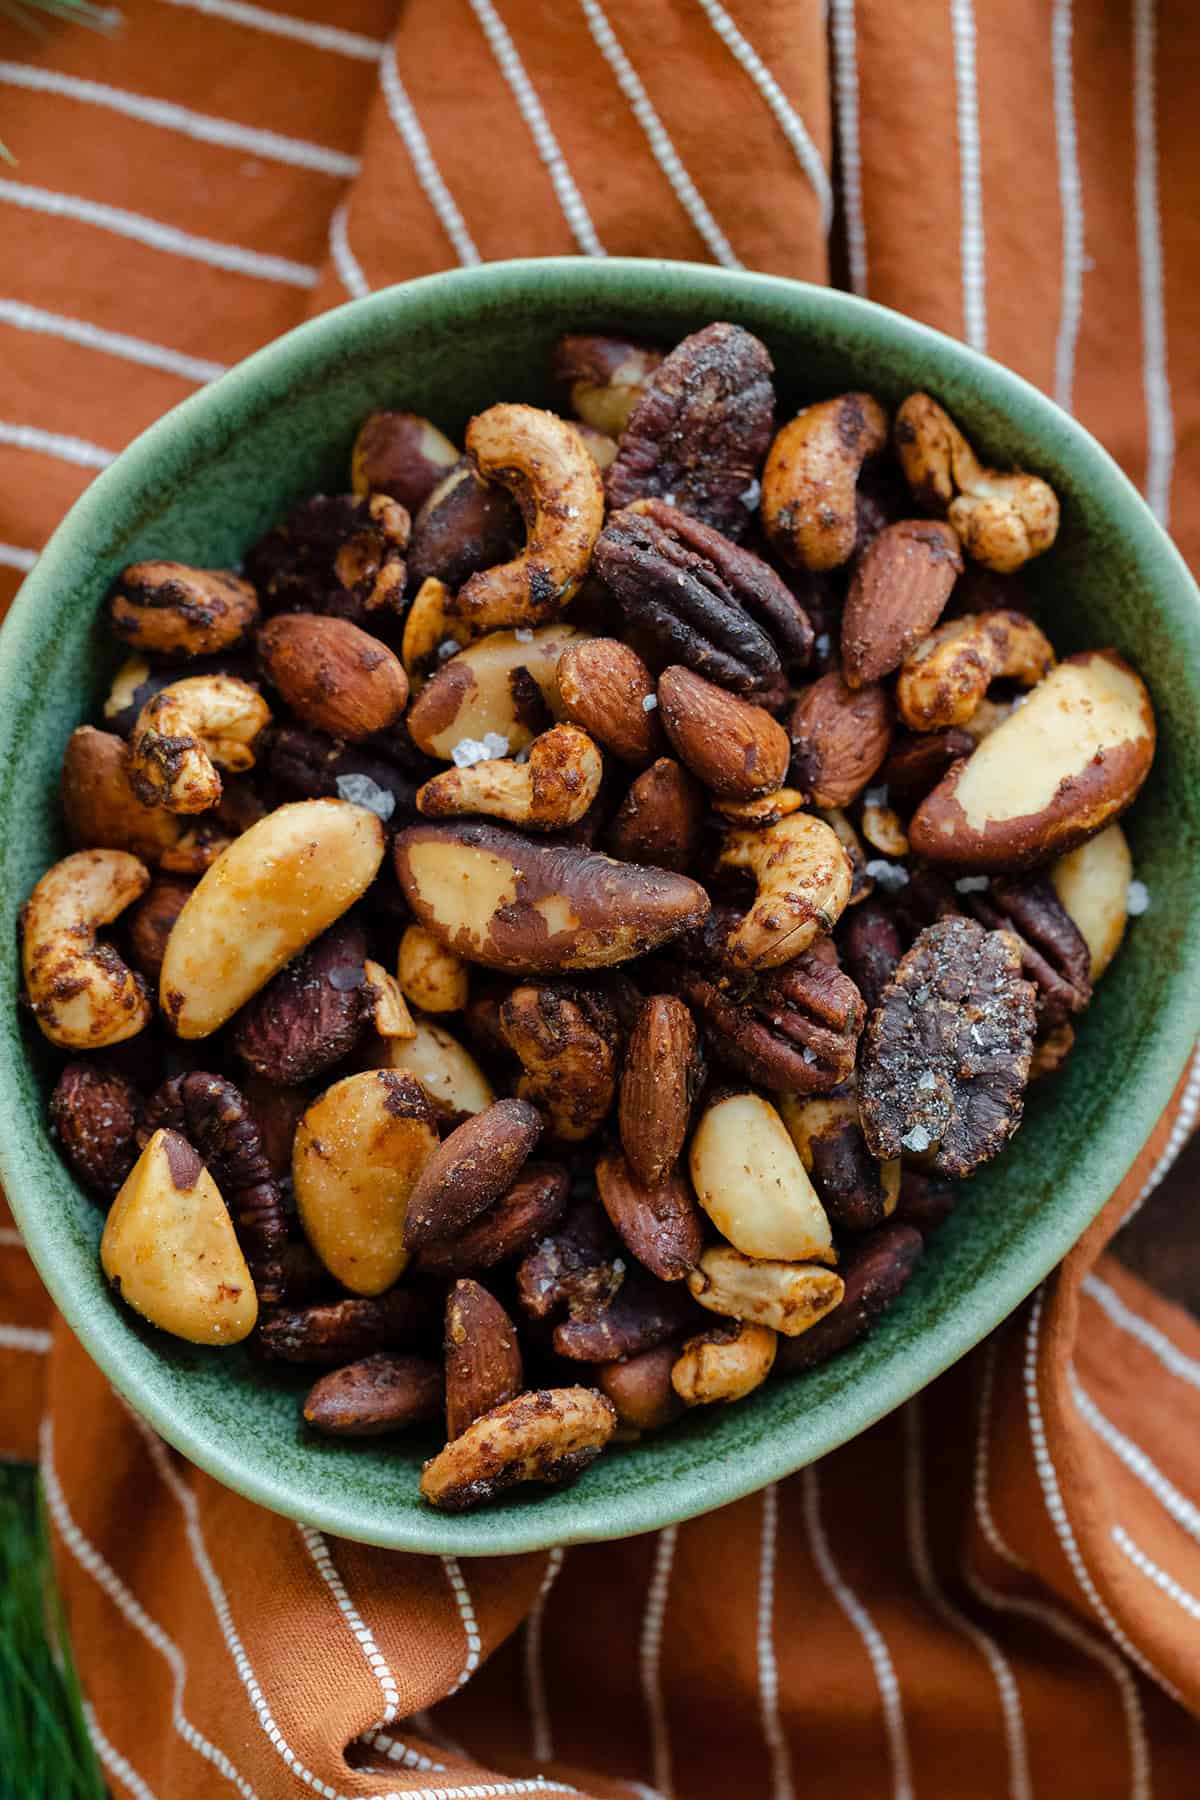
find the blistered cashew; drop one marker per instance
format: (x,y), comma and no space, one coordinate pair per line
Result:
(724,1365)
(768,809)
(176,611)
(183,730)
(547,468)
(432,977)
(751,1182)
(1002,520)
(811,477)
(1093,885)
(81,993)
(548,1434)
(946,676)
(549,792)
(506,686)
(804,879)
(387,1006)
(788,1297)
(456,1085)
(430,633)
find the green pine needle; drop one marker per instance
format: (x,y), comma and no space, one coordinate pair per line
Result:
(45,1751)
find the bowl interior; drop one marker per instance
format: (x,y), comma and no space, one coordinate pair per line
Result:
(205,481)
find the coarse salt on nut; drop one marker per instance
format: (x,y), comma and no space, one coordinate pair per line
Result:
(1137,899)
(890,876)
(360,790)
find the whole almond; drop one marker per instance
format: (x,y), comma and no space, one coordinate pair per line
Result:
(657,1087)
(640,1388)
(662,1226)
(381,1393)
(337,678)
(470,1169)
(604,686)
(483,1360)
(900,585)
(734,747)
(531,1208)
(660,819)
(840,736)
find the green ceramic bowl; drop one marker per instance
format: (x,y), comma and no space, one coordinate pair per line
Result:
(207,479)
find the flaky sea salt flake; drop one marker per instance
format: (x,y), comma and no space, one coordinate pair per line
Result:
(360,790)
(917,1139)
(889,875)
(1137,899)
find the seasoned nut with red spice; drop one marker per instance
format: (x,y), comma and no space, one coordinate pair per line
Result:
(803,878)
(483,1358)
(660,1225)
(552,789)
(524,1215)
(658,1085)
(900,584)
(170,610)
(465,525)
(734,747)
(312,1014)
(81,993)
(811,476)
(334,554)
(548,1435)
(338,679)
(94,1115)
(605,687)
(875,1272)
(328,1335)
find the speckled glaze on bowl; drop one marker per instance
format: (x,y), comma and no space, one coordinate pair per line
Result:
(208,478)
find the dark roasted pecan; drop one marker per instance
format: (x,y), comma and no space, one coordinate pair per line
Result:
(566,1040)
(661,1225)
(874,1272)
(401,1319)
(464,526)
(334,554)
(926,1201)
(871,947)
(660,819)
(94,1115)
(307,765)
(700,431)
(690,607)
(580,1267)
(382,1393)
(214,1117)
(643,1313)
(745,577)
(531,1208)
(917,761)
(946,1054)
(1054,955)
(311,1014)
(276,1111)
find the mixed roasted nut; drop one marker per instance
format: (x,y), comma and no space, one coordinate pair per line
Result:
(543,944)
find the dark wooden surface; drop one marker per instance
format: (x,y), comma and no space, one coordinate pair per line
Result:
(1162,1244)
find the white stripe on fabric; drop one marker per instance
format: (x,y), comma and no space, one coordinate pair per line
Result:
(1172,1358)
(302,31)
(315,1543)
(1181,1509)
(970,174)
(788,119)
(1160,417)
(348,267)
(541,1735)
(158,236)
(25,1337)
(1056,1508)
(782,1787)
(1155,1573)
(1020,1785)
(1070,197)
(112,343)
(1053,1618)
(404,118)
(844,38)
(570,200)
(397,1752)
(873,1640)
(650,1658)
(241,1662)
(15,556)
(470,1624)
(54,443)
(113,1761)
(661,147)
(204,128)
(10,1239)
(1181,1131)
(105,1576)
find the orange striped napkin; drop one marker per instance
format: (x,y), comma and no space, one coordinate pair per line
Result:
(993,1592)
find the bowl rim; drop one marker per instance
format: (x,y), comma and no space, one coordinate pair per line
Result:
(173,438)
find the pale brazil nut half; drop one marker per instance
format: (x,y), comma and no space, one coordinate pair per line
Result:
(82,994)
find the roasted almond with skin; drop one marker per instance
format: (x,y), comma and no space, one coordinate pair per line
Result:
(734,747)
(874,1272)
(1055,773)
(660,1225)
(657,1087)
(101,808)
(548,1434)
(496,898)
(640,1389)
(381,1394)
(335,677)
(470,1169)
(660,819)
(483,1358)
(899,586)
(604,686)
(840,736)
(532,1207)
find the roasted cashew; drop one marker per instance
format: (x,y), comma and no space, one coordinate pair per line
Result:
(724,1365)
(101,808)
(83,996)
(789,1297)
(431,976)
(804,879)
(186,728)
(549,471)
(176,611)
(946,677)
(768,809)
(428,626)
(549,792)
(811,476)
(1003,520)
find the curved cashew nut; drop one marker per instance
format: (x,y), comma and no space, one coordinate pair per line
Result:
(768,809)
(82,994)
(804,880)
(551,791)
(724,1364)
(549,471)
(1003,520)
(947,676)
(811,476)
(183,730)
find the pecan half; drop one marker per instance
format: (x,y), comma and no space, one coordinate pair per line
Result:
(94,1115)
(334,554)
(701,429)
(379,1394)
(1054,955)
(312,1014)
(658,1086)
(580,1267)
(661,1225)
(401,1319)
(532,1207)
(874,1273)
(946,1055)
